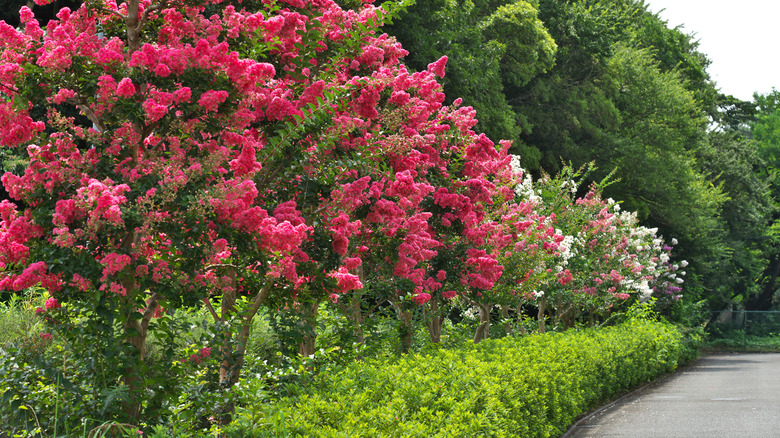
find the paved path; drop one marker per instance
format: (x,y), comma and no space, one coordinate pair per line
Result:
(729,395)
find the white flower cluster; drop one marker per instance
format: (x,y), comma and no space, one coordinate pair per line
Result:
(570,185)
(567,248)
(526,190)
(515,164)
(471,313)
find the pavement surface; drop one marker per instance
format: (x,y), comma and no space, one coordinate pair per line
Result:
(728,395)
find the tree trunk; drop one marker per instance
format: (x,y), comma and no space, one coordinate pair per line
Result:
(356,314)
(230,367)
(483,330)
(353,309)
(505,316)
(228,309)
(540,316)
(434,321)
(405,328)
(130,376)
(136,331)
(567,318)
(309,343)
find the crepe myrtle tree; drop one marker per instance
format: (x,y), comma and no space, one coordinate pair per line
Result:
(595,256)
(420,209)
(204,174)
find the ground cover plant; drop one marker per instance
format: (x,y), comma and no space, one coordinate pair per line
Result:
(208,193)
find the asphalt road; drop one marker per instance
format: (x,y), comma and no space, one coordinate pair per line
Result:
(719,396)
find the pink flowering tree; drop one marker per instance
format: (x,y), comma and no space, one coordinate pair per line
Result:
(202,165)
(236,159)
(419,208)
(571,256)
(526,244)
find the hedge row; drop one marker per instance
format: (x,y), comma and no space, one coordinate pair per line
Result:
(533,386)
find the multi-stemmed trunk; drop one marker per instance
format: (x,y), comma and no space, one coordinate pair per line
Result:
(434,320)
(540,316)
(308,326)
(405,328)
(232,360)
(483,329)
(352,308)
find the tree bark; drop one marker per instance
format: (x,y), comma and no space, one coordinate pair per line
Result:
(483,330)
(356,314)
(308,344)
(405,328)
(540,316)
(352,309)
(505,316)
(230,369)
(434,321)
(136,331)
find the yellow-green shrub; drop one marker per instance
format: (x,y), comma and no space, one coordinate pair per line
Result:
(533,386)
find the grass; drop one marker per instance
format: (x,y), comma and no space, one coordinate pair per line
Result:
(737,341)
(18,319)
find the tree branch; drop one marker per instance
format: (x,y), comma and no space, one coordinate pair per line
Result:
(211,310)
(221,265)
(79,103)
(149,312)
(147,11)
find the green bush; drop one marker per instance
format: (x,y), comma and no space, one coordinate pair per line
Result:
(532,386)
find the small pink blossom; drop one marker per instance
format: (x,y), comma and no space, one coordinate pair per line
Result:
(450,294)
(246,162)
(52,303)
(125,88)
(162,71)
(346,281)
(421,298)
(211,99)
(183,94)
(118,289)
(437,67)
(81,283)
(114,263)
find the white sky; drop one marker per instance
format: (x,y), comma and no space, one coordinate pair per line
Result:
(740,37)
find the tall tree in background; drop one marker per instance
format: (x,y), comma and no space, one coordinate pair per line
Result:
(759,121)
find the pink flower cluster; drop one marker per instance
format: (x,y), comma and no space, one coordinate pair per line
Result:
(114,263)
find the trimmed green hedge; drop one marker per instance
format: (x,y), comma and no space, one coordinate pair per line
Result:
(533,386)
